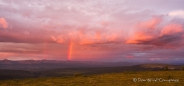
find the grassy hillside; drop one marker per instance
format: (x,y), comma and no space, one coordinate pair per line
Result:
(63,72)
(108,79)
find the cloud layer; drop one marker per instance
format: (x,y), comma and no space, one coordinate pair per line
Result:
(105,30)
(153,32)
(3,23)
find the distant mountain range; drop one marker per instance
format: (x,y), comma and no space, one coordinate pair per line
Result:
(53,64)
(51,68)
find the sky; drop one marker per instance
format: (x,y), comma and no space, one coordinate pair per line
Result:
(92,30)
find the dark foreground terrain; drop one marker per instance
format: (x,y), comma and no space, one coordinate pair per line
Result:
(63,72)
(128,78)
(73,73)
(19,74)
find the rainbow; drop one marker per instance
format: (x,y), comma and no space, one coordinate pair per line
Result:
(70,50)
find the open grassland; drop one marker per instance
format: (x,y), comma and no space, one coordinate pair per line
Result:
(108,79)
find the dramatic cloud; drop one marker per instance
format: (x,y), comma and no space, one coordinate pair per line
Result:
(172,29)
(3,23)
(138,36)
(80,37)
(150,24)
(23,38)
(58,40)
(105,30)
(145,31)
(168,36)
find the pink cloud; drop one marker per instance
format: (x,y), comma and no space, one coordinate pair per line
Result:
(9,36)
(3,23)
(93,25)
(58,40)
(160,35)
(145,31)
(150,24)
(171,29)
(139,36)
